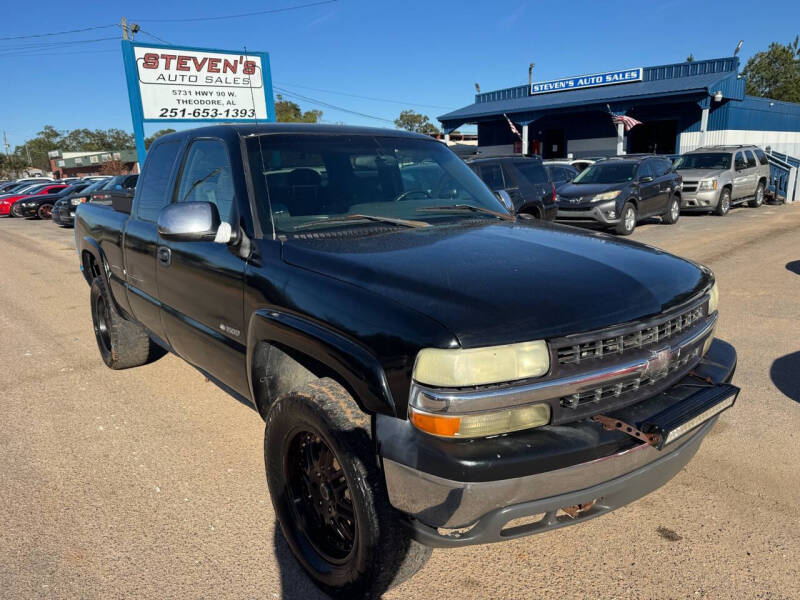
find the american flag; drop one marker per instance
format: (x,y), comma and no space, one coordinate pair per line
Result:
(628,122)
(513,128)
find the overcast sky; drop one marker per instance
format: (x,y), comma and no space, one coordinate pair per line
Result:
(422,55)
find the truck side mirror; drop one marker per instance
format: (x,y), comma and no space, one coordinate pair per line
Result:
(505,200)
(193,222)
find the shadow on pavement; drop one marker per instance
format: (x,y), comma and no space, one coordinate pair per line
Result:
(793,266)
(295,584)
(785,374)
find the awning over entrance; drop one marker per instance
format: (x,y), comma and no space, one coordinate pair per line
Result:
(696,81)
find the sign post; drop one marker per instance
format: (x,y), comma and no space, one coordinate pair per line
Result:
(179,84)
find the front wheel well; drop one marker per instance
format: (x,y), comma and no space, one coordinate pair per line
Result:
(277,370)
(91,268)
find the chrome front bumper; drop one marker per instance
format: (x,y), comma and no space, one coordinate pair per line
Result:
(648,472)
(706,200)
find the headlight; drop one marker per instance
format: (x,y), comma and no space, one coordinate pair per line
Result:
(607,196)
(708,184)
(713,298)
(481,366)
(481,424)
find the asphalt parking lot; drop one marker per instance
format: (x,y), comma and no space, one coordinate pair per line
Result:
(149,483)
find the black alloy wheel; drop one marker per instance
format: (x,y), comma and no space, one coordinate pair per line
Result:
(102,328)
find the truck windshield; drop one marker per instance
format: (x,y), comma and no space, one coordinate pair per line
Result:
(308,178)
(705,160)
(607,172)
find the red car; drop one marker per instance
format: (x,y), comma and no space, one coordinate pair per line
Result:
(6,202)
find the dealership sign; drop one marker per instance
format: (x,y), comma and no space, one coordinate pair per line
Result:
(171,83)
(587,81)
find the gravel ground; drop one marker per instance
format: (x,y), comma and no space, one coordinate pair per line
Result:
(149,483)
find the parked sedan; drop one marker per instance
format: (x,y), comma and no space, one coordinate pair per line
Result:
(618,192)
(64,208)
(6,202)
(41,206)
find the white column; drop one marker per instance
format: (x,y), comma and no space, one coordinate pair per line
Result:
(620,139)
(703,126)
(525,140)
(447,138)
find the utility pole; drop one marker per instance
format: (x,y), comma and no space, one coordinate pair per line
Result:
(28,152)
(5,142)
(124,28)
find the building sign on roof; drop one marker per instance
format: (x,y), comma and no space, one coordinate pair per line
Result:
(587,81)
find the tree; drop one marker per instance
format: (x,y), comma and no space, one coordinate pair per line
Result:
(413,121)
(11,165)
(775,72)
(112,167)
(287,111)
(690,58)
(77,140)
(152,138)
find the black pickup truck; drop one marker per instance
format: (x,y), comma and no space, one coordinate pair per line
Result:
(432,371)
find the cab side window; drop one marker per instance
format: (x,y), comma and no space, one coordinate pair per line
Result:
(207,177)
(739,162)
(154,195)
(762,158)
(493,177)
(751,160)
(645,170)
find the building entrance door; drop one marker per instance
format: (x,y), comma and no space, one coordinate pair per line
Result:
(553,144)
(657,137)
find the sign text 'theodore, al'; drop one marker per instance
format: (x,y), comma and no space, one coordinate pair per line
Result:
(585,81)
(189,84)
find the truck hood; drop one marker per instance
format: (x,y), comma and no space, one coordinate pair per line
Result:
(497,283)
(697,174)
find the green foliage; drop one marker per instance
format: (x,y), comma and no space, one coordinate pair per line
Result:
(287,111)
(414,121)
(775,72)
(690,58)
(11,165)
(77,140)
(152,138)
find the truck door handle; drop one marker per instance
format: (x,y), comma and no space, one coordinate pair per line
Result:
(164,255)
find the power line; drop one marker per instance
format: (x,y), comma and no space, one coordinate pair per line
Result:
(38,35)
(32,51)
(25,55)
(306,87)
(237,16)
(328,105)
(155,37)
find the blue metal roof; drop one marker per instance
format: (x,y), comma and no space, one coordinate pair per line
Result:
(700,78)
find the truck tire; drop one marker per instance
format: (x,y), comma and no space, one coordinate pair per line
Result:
(758,199)
(329,495)
(724,202)
(123,344)
(627,221)
(673,211)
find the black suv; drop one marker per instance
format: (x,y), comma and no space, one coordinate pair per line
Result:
(524,179)
(619,191)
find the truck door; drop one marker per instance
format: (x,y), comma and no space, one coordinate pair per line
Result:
(200,284)
(740,176)
(140,239)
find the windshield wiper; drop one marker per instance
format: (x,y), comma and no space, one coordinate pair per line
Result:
(199,181)
(466,207)
(360,217)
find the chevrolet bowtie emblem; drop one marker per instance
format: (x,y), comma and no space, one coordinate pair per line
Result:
(660,360)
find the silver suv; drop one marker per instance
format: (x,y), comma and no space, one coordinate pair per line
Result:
(718,177)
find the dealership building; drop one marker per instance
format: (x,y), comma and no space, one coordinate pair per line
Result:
(680,107)
(82,164)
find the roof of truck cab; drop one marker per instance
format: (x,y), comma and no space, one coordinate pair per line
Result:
(247,129)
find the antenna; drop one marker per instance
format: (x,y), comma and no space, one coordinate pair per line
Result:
(738,47)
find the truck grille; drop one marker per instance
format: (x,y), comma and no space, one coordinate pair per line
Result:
(616,390)
(630,340)
(689,186)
